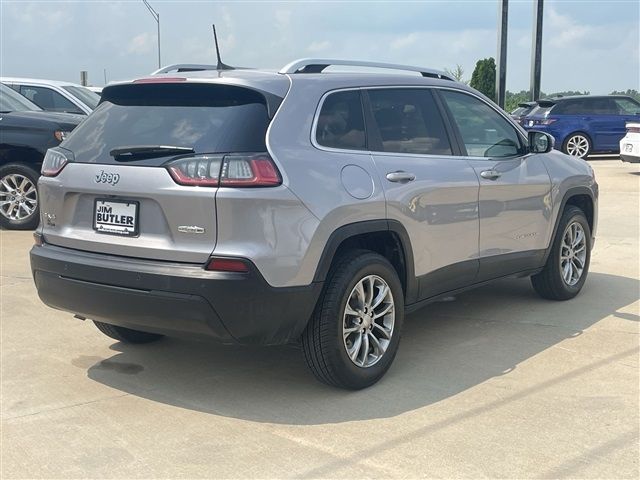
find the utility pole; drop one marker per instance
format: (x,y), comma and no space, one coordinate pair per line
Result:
(156,17)
(536,49)
(501,77)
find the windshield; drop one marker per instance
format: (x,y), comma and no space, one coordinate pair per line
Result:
(12,101)
(520,111)
(204,118)
(86,96)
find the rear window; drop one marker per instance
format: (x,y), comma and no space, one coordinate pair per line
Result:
(207,118)
(341,122)
(542,111)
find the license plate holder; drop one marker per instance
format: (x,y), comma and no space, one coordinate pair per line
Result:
(116,217)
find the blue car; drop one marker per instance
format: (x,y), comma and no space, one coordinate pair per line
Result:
(584,124)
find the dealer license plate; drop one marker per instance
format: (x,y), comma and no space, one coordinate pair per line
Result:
(116,217)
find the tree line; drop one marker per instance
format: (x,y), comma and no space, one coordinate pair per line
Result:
(483,79)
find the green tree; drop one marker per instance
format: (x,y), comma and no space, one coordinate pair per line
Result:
(483,78)
(457,73)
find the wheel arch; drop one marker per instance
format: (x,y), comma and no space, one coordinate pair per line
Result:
(581,197)
(27,156)
(389,238)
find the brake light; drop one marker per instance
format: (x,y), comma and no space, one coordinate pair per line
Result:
(53,163)
(221,264)
(633,129)
(249,171)
(232,170)
(160,80)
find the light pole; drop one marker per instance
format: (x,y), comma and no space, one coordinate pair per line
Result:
(536,50)
(501,77)
(156,17)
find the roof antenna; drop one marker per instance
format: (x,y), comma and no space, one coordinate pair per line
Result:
(220,65)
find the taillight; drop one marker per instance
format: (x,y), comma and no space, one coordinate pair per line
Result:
(222,264)
(201,170)
(249,171)
(53,163)
(231,170)
(633,129)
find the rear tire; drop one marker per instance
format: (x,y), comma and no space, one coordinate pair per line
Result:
(559,280)
(578,145)
(126,335)
(353,335)
(19,203)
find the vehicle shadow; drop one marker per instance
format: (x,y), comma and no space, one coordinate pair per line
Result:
(447,347)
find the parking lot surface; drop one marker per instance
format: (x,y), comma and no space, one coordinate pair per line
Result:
(492,383)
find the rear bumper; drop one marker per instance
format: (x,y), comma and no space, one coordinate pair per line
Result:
(630,158)
(172,298)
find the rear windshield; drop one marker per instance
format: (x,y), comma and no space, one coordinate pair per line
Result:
(521,111)
(541,111)
(206,118)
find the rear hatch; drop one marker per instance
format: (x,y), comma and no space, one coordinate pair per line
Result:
(139,177)
(540,114)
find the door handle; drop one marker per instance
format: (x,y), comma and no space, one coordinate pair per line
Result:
(401,177)
(490,174)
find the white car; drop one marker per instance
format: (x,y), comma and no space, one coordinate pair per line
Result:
(630,144)
(54,95)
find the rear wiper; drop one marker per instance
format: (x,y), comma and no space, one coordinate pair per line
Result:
(123,154)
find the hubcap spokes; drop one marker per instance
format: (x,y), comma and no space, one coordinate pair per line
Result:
(573,253)
(578,146)
(18,197)
(368,321)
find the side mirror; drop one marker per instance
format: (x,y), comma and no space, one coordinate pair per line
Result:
(540,142)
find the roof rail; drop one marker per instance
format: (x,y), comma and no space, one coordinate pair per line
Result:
(317,65)
(184,67)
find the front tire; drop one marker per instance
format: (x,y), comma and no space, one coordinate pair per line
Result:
(126,335)
(19,204)
(353,335)
(566,269)
(577,145)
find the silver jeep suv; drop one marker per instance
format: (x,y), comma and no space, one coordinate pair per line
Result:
(261,207)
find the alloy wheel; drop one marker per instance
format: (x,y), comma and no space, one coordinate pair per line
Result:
(573,253)
(578,146)
(368,321)
(18,197)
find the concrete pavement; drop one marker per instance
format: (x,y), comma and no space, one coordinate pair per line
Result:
(496,383)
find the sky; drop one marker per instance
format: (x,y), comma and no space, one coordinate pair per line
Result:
(588,45)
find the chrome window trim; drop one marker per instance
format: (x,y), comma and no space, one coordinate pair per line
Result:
(314,125)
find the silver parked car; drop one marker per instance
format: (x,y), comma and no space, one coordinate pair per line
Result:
(263,208)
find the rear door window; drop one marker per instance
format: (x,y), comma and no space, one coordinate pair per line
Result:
(408,121)
(341,122)
(627,106)
(205,118)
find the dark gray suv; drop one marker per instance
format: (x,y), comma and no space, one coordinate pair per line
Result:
(260,207)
